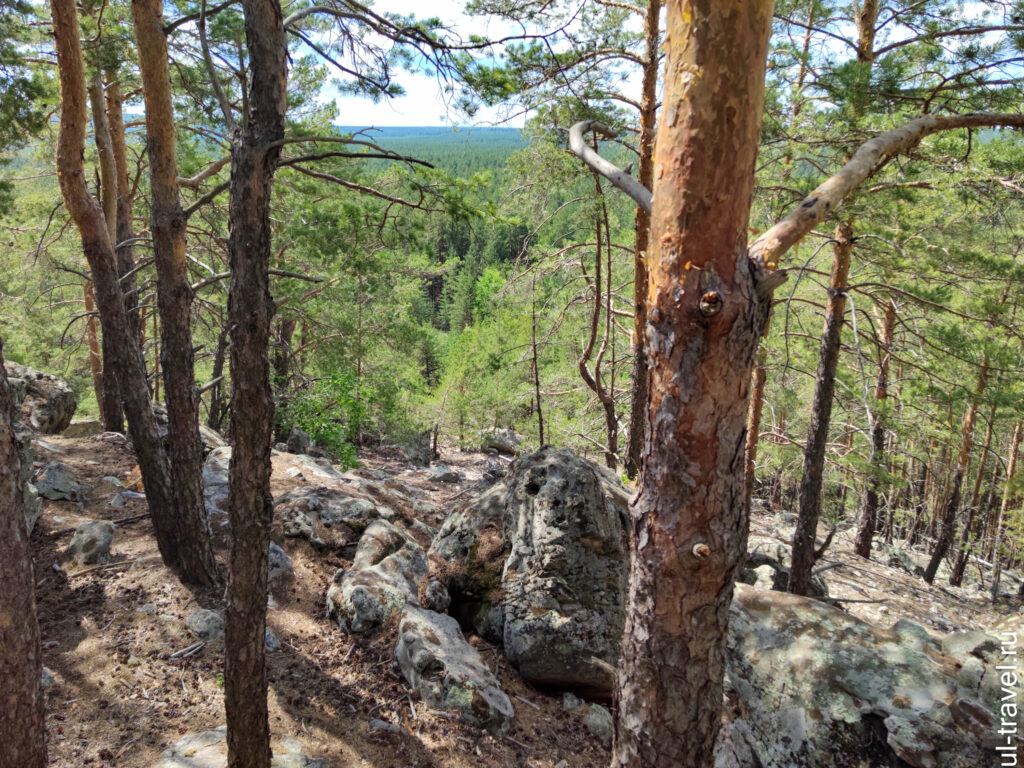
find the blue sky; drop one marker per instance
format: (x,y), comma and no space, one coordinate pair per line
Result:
(424,102)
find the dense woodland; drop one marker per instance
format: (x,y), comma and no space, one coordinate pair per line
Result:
(216,236)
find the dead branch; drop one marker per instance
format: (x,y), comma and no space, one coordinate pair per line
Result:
(618,177)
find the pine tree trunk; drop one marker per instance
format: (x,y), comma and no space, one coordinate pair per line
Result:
(110,408)
(971,534)
(283,352)
(174,294)
(705,319)
(997,533)
(536,367)
(821,415)
(867,18)
(217,410)
(250,309)
(921,486)
(866,530)
(641,245)
(758,378)
(92,339)
(172,538)
(125,233)
(22,727)
(953,502)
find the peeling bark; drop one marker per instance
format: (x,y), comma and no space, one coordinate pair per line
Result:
(705,318)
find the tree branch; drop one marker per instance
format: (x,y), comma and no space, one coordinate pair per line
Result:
(769,248)
(194,181)
(619,178)
(218,90)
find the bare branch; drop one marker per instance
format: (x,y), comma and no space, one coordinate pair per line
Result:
(770,247)
(619,178)
(194,181)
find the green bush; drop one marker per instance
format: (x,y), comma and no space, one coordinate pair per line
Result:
(332,412)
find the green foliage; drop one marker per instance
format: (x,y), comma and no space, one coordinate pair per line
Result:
(332,412)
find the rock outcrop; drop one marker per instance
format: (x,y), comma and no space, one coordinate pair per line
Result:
(447,672)
(326,517)
(48,403)
(540,563)
(57,482)
(209,749)
(501,441)
(215,481)
(386,573)
(816,687)
(33,506)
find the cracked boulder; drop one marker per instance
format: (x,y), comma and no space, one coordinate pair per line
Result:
(540,562)
(386,573)
(817,687)
(448,672)
(326,517)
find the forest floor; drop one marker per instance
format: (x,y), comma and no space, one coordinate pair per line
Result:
(111,636)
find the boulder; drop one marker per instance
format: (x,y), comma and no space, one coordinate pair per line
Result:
(209,749)
(270,641)
(84,428)
(501,440)
(211,438)
(215,481)
(418,448)
(961,645)
(596,719)
(817,687)
(48,403)
(206,624)
(385,575)
(91,542)
(326,517)
(448,672)
(763,570)
(442,473)
(298,441)
(541,561)
(279,564)
(56,482)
